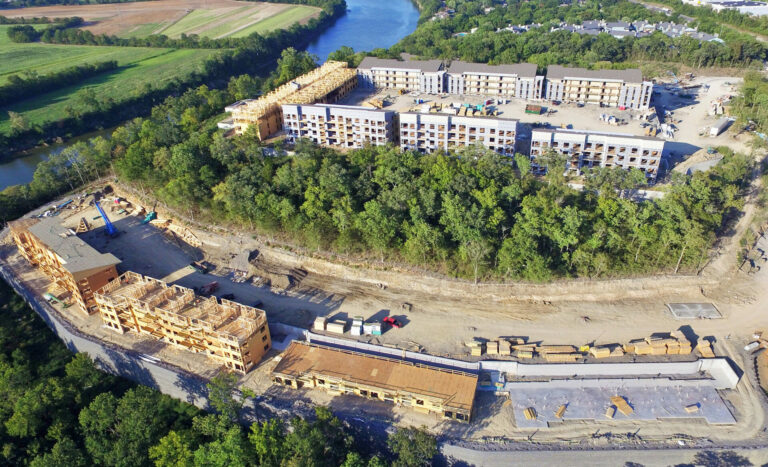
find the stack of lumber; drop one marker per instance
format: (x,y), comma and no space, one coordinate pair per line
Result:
(704,348)
(675,344)
(600,352)
(562,357)
(560,411)
(505,348)
(621,405)
(492,348)
(530,413)
(475,348)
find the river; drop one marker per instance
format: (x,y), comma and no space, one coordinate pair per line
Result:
(368,24)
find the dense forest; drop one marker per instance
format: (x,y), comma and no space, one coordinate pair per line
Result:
(60,410)
(434,39)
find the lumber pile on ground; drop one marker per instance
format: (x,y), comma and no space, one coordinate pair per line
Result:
(622,405)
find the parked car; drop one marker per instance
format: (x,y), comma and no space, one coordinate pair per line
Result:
(392,322)
(228,296)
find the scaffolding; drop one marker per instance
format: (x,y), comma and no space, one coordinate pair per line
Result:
(324,85)
(234,334)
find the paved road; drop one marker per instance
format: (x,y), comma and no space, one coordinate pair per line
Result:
(616,458)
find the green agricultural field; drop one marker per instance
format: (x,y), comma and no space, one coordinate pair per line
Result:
(49,58)
(238,22)
(282,20)
(138,67)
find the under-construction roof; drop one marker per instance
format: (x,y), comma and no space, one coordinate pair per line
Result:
(632,75)
(526,70)
(76,255)
(454,389)
(427,66)
(563,131)
(305,89)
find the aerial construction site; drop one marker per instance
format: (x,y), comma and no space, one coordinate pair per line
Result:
(662,360)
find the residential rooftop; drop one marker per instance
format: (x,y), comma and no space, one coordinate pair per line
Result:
(76,255)
(595,133)
(455,389)
(527,70)
(632,75)
(429,66)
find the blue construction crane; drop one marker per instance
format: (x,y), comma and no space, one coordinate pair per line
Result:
(111,230)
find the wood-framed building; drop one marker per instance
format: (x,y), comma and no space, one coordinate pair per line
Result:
(233,334)
(64,258)
(428,389)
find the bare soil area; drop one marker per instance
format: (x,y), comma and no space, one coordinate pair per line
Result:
(120,18)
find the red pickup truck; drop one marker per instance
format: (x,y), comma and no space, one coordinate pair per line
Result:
(392,322)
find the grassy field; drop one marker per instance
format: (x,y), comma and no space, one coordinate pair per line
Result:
(138,67)
(282,20)
(238,22)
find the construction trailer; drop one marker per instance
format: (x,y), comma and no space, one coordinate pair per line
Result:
(233,334)
(427,389)
(65,259)
(323,85)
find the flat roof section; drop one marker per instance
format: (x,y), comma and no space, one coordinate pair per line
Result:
(339,107)
(454,116)
(594,133)
(694,310)
(588,400)
(631,75)
(77,255)
(455,389)
(429,66)
(526,70)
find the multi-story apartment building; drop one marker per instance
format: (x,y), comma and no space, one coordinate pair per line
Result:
(501,81)
(233,334)
(413,75)
(443,132)
(427,389)
(342,126)
(73,265)
(325,84)
(614,88)
(586,149)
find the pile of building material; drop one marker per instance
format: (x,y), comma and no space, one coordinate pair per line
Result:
(475,347)
(675,344)
(621,405)
(559,353)
(337,326)
(704,349)
(606,351)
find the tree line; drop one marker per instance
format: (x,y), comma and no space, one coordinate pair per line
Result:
(60,410)
(28,84)
(435,39)
(752,102)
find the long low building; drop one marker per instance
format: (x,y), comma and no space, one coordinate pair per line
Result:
(442,132)
(612,88)
(427,389)
(233,334)
(587,149)
(341,126)
(69,262)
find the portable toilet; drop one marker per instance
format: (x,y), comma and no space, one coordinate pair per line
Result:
(357,326)
(372,329)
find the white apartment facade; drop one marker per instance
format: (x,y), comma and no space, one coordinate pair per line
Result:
(612,88)
(421,76)
(501,81)
(341,126)
(442,132)
(587,149)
